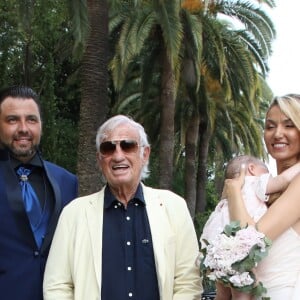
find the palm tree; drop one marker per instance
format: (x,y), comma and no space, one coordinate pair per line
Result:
(231,62)
(90,24)
(216,64)
(235,128)
(156,22)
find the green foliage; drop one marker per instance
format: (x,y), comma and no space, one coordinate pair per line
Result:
(79,17)
(36,50)
(152,180)
(211,202)
(62,149)
(200,220)
(213,63)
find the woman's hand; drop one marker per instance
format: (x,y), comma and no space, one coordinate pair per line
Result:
(236,204)
(232,187)
(241,296)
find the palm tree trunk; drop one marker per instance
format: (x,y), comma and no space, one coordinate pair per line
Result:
(94,101)
(190,162)
(167,102)
(219,171)
(202,165)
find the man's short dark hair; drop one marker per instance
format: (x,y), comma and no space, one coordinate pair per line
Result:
(20,91)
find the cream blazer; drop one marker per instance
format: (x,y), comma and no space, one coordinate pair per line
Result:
(73,269)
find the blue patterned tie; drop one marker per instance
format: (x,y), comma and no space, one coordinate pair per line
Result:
(32,204)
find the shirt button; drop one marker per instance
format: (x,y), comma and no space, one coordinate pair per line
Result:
(130,294)
(36,253)
(129,268)
(136,204)
(127,218)
(128,243)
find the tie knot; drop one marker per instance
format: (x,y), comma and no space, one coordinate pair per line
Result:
(23,173)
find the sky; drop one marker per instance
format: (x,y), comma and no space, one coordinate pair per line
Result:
(284,63)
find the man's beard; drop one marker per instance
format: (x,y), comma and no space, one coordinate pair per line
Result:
(19,152)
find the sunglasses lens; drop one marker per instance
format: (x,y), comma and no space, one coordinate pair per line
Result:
(107,148)
(129,146)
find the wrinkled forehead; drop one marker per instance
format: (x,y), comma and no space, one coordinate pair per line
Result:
(121,132)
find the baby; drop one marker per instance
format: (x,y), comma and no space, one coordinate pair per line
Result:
(259,184)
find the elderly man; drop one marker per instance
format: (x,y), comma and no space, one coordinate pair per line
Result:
(127,241)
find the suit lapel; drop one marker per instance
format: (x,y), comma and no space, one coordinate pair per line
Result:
(94,218)
(15,202)
(11,181)
(156,215)
(56,208)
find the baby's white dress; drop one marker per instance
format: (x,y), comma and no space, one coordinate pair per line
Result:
(254,195)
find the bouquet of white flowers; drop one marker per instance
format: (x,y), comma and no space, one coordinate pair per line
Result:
(232,255)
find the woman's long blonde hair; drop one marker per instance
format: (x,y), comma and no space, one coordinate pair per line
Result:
(290,105)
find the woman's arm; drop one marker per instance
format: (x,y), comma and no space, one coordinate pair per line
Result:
(284,213)
(236,203)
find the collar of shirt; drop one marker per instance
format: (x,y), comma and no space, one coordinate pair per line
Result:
(36,161)
(110,199)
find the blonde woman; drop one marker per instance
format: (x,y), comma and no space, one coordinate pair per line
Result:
(280,271)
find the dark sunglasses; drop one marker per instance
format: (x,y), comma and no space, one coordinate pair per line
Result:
(127,146)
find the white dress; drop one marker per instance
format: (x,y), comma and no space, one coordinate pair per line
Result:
(254,195)
(280,270)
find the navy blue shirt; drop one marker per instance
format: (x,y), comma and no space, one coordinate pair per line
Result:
(128,266)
